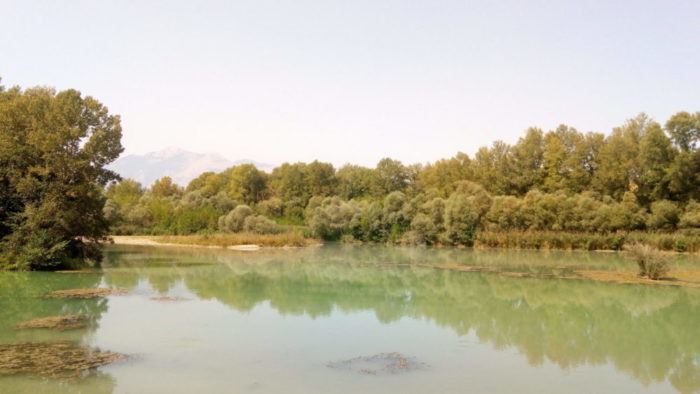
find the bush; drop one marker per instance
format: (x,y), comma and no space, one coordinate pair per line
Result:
(274,207)
(423,230)
(461,219)
(680,246)
(691,217)
(664,216)
(652,262)
(235,220)
(260,225)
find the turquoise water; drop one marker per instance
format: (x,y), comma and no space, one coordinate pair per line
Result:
(273,320)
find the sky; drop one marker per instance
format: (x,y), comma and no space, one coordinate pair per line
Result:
(356,81)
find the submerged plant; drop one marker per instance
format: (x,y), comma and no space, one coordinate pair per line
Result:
(652,262)
(66,322)
(379,364)
(52,360)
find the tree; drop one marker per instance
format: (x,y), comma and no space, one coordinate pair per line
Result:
(391,176)
(683,176)
(443,174)
(493,168)
(247,183)
(618,158)
(125,193)
(321,178)
(208,183)
(655,156)
(122,199)
(528,161)
(561,160)
(289,183)
(164,187)
(464,210)
(53,151)
(354,181)
(684,129)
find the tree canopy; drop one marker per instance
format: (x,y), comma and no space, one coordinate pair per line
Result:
(54,147)
(642,176)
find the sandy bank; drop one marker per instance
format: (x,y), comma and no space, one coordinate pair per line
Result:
(143,241)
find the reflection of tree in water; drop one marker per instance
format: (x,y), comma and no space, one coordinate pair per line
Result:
(21,299)
(647,331)
(96,383)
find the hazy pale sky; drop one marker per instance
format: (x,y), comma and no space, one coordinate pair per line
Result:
(355,81)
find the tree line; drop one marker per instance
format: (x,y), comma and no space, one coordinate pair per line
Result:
(58,200)
(642,176)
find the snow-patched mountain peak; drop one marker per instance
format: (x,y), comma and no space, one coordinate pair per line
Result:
(181,165)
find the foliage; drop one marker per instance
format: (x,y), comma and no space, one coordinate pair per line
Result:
(664,216)
(290,238)
(652,262)
(53,151)
(556,189)
(235,220)
(258,224)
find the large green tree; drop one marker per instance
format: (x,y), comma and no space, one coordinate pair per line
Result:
(53,151)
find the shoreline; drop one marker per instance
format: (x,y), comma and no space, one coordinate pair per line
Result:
(145,240)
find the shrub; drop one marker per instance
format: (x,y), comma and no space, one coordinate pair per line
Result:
(423,230)
(461,219)
(664,216)
(691,217)
(259,225)
(235,219)
(652,262)
(680,246)
(274,207)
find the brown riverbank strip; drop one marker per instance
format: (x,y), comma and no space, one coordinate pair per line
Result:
(234,241)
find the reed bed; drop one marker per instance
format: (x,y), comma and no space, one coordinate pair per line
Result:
(677,242)
(286,239)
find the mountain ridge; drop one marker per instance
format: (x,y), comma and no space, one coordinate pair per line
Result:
(179,164)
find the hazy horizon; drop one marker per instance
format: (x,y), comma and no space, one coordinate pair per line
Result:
(354,82)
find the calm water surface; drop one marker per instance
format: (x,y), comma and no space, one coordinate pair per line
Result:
(271,321)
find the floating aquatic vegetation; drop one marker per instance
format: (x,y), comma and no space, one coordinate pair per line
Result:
(169,299)
(52,360)
(93,271)
(683,278)
(379,364)
(87,293)
(66,322)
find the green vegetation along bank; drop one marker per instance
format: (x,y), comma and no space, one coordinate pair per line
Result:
(557,189)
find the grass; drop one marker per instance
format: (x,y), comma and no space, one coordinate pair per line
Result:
(585,241)
(294,239)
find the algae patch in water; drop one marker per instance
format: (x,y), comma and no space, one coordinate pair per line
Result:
(683,278)
(169,299)
(379,364)
(78,272)
(66,322)
(52,360)
(87,293)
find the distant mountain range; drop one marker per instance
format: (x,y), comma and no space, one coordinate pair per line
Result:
(182,166)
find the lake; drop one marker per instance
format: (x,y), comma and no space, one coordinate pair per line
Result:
(357,318)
